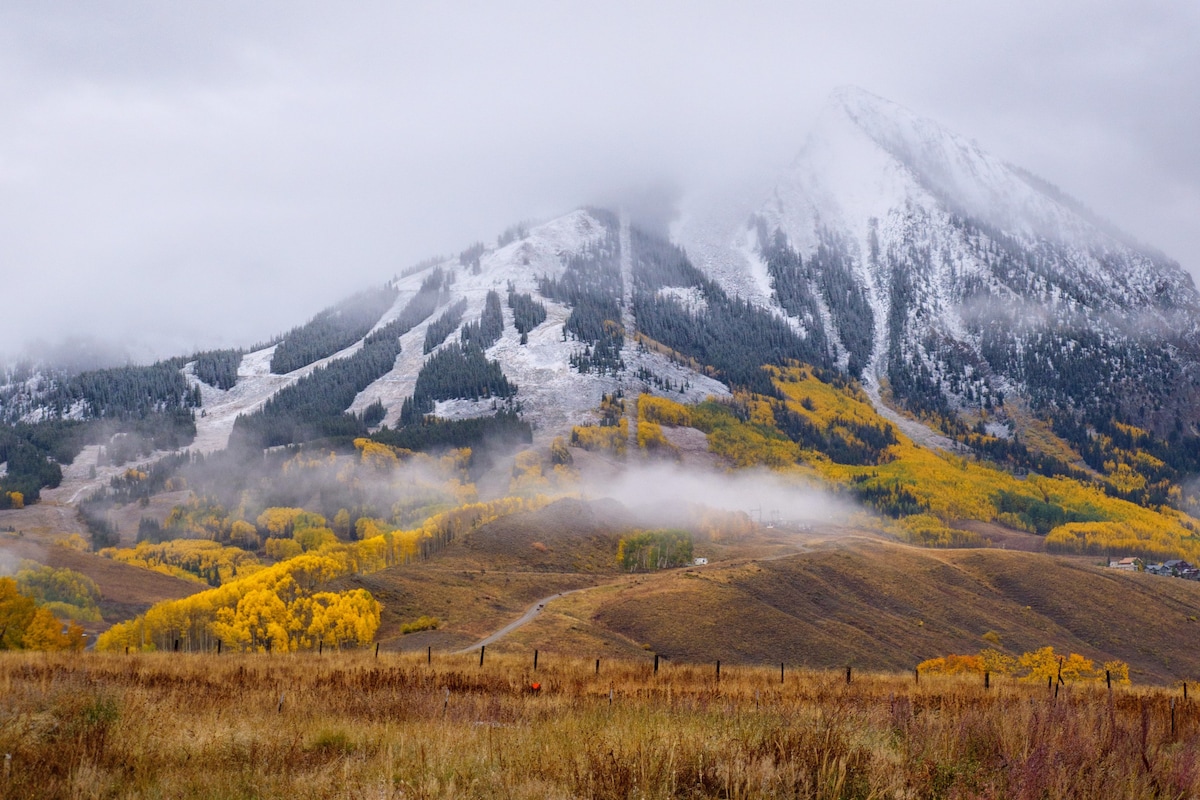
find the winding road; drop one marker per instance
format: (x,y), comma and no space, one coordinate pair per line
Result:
(528,616)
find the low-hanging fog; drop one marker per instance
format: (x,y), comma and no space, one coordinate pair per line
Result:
(175,177)
(665,493)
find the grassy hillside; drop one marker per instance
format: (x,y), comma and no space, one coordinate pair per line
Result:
(827,598)
(884,606)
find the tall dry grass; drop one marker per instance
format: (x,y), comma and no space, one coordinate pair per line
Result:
(352,725)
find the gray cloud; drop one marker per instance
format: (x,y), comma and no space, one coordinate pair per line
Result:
(208,175)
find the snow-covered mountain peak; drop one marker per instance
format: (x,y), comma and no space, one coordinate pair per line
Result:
(955,277)
(959,174)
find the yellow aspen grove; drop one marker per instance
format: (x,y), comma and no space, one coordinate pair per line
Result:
(201,619)
(378,457)
(663,411)
(25,626)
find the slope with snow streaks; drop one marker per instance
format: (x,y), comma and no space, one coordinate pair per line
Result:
(982,280)
(551,394)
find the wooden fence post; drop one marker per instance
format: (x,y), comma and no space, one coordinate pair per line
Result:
(535,655)
(482,650)
(656,663)
(848,675)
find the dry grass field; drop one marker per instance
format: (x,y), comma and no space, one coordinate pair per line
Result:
(360,726)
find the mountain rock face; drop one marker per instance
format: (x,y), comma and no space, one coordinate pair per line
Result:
(956,279)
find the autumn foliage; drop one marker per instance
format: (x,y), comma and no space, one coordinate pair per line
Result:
(283,607)
(1035,666)
(826,428)
(24,625)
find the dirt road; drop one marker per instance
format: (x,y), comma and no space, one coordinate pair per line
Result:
(527,617)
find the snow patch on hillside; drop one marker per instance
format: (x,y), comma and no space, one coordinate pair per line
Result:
(691,298)
(550,393)
(255,385)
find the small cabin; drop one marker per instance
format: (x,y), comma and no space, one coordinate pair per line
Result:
(700,562)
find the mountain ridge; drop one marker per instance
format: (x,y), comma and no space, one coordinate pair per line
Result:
(891,250)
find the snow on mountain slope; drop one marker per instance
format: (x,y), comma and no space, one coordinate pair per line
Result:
(981,279)
(551,394)
(256,384)
(898,252)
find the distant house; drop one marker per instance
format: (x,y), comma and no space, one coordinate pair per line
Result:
(1175,568)
(1181,569)
(700,562)
(1132,564)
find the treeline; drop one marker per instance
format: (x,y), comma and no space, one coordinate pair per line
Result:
(891,498)
(910,378)
(170,430)
(33,454)
(1039,516)
(846,300)
(27,625)
(844,440)
(645,551)
(315,406)
(527,312)
(134,409)
(731,335)
(444,325)
(503,428)
(455,371)
(332,330)
(146,481)
(830,272)
(119,393)
(218,368)
(659,264)
(471,257)
(434,291)
(591,287)
(490,327)
(793,285)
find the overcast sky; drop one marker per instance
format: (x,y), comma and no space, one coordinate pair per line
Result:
(183,175)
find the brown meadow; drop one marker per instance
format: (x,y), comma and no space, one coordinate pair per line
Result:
(354,724)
